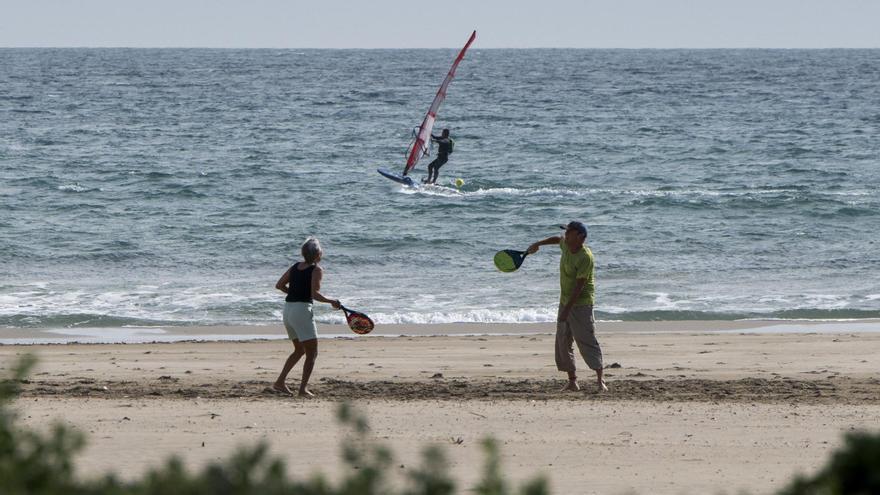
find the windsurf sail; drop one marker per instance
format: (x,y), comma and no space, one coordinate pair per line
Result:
(420,144)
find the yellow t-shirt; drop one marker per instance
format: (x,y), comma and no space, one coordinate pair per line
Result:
(574,266)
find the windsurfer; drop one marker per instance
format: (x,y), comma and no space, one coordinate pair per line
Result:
(445,148)
(419,145)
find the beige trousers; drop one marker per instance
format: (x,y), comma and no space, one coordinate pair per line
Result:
(580,327)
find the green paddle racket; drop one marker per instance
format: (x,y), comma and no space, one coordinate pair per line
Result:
(508,260)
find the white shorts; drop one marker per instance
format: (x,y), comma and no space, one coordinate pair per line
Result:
(300,321)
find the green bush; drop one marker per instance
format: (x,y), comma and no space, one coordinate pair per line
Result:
(42,464)
(852,470)
(31,463)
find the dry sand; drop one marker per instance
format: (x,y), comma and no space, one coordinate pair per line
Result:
(688,412)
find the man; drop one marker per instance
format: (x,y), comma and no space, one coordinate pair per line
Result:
(445,148)
(575,321)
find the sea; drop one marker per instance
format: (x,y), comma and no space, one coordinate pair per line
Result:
(173,187)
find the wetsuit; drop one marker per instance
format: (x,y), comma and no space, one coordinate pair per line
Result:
(442,157)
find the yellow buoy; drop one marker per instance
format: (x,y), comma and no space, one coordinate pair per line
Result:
(459,182)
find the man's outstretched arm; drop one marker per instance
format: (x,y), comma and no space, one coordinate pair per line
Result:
(546,242)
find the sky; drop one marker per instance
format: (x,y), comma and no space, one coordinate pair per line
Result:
(413,24)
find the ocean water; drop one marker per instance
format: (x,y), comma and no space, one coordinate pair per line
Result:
(173,187)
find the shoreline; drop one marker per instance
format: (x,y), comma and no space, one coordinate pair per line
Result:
(221,333)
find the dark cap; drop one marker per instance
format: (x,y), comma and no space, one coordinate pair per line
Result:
(577,226)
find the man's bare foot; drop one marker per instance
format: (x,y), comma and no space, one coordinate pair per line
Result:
(571,387)
(281,388)
(306,394)
(601,386)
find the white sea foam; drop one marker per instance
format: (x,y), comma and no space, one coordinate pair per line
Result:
(441,191)
(437,317)
(77,187)
(490,192)
(684,194)
(539,191)
(210,306)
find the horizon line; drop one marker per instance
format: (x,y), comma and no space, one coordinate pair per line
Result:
(116,47)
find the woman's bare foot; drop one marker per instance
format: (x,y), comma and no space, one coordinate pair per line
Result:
(571,387)
(601,386)
(282,388)
(306,394)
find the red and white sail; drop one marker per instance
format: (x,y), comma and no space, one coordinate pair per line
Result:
(420,145)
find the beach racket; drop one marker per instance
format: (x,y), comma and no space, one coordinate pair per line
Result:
(358,322)
(508,260)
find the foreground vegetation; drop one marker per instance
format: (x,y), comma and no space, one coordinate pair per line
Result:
(33,463)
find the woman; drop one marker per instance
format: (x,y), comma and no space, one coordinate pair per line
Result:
(302,284)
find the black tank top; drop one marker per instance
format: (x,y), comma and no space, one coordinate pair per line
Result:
(299,289)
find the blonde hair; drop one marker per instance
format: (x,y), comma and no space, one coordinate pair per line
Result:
(311,249)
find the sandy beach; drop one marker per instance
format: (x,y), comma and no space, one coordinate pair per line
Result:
(694,407)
